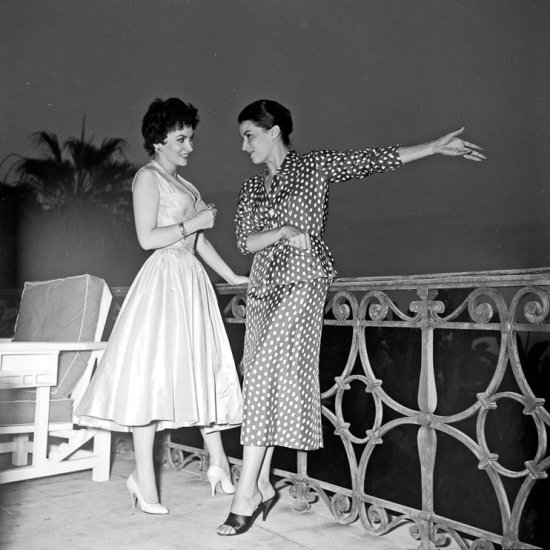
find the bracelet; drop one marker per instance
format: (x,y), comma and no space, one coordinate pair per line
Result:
(182,229)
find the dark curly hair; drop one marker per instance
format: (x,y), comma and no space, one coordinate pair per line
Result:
(165,116)
(267,113)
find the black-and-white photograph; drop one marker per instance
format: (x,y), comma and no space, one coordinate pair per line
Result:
(274,274)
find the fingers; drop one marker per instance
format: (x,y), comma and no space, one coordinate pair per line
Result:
(212,207)
(471,145)
(301,241)
(305,241)
(472,151)
(474,155)
(208,216)
(461,148)
(297,238)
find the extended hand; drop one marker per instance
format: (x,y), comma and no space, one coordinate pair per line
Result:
(453,146)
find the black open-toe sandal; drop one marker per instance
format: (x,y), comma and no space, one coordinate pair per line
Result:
(241,524)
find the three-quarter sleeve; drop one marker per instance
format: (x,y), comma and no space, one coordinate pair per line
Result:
(244,225)
(344,165)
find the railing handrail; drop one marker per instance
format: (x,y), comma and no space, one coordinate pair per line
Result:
(464,279)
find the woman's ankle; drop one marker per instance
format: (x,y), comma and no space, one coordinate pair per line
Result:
(245,504)
(223,464)
(266,488)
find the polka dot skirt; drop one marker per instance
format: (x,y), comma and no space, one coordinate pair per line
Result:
(281,385)
(287,292)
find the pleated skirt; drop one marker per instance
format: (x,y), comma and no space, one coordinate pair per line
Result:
(168,359)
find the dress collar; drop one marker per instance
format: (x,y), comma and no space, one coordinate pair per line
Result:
(289,159)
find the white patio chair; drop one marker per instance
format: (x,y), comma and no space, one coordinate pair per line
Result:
(44,371)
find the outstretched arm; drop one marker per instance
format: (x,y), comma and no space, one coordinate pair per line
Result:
(449,145)
(209,254)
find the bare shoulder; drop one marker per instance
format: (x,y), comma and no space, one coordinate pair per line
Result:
(145,181)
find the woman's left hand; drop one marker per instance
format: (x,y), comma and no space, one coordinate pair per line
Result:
(451,145)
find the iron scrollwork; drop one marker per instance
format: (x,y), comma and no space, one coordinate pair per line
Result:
(503,305)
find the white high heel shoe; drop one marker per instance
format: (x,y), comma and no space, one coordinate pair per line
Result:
(147,507)
(216,475)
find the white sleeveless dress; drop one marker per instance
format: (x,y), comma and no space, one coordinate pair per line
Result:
(168,359)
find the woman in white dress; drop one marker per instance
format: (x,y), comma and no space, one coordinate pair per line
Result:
(168,363)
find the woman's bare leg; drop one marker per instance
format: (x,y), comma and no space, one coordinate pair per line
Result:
(214,446)
(247,497)
(144,437)
(264,481)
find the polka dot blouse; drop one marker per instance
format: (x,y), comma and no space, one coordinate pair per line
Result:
(299,196)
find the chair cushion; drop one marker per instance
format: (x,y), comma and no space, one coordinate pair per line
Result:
(61,310)
(17,407)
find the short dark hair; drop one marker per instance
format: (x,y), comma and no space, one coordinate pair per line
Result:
(165,116)
(267,113)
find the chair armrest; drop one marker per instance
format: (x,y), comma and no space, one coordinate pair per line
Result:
(35,364)
(35,347)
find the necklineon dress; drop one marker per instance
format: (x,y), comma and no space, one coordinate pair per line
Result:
(168,359)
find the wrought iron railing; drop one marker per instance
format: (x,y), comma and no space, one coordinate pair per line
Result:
(460,323)
(434,414)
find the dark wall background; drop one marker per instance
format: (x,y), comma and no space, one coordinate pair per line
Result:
(354,73)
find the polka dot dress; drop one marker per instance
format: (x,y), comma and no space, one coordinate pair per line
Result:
(287,291)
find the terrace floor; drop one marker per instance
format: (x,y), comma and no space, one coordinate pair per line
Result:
(71,511)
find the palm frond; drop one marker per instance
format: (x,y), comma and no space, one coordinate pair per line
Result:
(88,172)
(49,142)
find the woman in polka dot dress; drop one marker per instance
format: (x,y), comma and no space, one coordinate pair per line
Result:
(281,218)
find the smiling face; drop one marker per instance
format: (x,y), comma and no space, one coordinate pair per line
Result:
(177,146)
(257,142)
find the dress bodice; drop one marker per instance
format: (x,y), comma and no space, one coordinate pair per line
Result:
(179,200)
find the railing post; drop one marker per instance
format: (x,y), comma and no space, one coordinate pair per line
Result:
(301,483)
(427,437)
